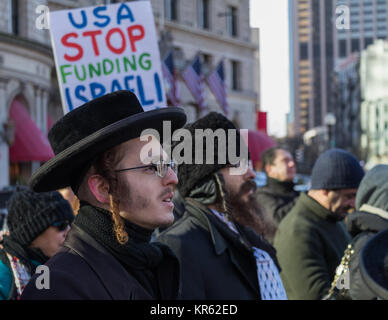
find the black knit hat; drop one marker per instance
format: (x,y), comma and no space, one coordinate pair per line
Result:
(336,169)
(192,174)
(31,213)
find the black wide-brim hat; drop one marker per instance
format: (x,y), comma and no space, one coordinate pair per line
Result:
(93,128)
(374,264)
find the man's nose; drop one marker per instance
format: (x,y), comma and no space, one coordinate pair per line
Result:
(250,174)
(170,177)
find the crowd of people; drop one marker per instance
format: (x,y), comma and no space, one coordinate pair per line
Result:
(136,227)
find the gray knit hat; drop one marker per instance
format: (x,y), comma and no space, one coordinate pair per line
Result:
(336,169)
(31,213)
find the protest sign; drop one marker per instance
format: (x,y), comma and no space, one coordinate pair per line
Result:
(103,49)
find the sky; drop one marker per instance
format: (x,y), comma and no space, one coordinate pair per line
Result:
(272,19)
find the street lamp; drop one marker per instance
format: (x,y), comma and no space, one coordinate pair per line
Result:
(330,122)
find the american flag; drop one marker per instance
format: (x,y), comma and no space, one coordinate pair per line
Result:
(194,80)
(173,92)
(216,82)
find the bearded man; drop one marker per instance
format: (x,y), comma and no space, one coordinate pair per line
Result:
(220,258)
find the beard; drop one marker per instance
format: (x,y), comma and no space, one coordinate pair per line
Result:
(247,211)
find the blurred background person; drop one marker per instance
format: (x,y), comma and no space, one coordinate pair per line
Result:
(312,238)
(278,196)
(69,195)
(370,217)
(38,224)
(374,265)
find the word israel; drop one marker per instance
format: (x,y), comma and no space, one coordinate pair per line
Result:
(182,153)
(103,49)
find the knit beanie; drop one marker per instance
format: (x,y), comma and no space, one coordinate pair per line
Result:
(31,213)
(336,169)
(373,189)
(191,174)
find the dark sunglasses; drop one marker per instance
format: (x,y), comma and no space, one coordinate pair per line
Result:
(61,225)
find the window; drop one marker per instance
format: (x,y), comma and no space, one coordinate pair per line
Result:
(231,21)
(367,42)
(206,61)
(203,14)
(304,51)
(342,48)
(13,16)
(235,75)
(171,10)
(355,45)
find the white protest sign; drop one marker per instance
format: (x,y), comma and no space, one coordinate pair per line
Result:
(103,49)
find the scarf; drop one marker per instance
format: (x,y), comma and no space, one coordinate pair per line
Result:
(24,254)
(138,256)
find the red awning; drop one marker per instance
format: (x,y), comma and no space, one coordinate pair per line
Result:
(257,143)
(30,143)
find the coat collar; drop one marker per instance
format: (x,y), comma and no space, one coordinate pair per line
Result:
(201,212)
(284,187)
(317,209)
(218,240)
(111,273)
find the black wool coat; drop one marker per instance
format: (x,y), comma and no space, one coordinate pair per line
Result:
(84,270)
(277,198)
(214,266)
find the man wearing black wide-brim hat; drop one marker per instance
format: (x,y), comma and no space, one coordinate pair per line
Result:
(124,195)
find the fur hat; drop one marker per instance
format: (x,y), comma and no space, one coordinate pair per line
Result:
(336,169)
(93,128)
(31,213)
(192,174)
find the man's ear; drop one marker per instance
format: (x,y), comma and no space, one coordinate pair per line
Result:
(325,192)
(99,187)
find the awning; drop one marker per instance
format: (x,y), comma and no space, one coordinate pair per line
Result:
(30,143)
(257,143)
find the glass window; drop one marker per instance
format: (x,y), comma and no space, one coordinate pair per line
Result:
(171,10)
(231,21)
(342,48)
(235,75)
(203,14)
(13,16)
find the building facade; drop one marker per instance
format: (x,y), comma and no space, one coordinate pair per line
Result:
(374,106)
(217,29)
(325,33)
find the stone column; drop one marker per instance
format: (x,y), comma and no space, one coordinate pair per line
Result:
(38,118)
(38,107)
(4,148)
(44,111)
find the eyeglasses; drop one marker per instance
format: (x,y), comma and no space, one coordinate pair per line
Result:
(159,168)
(241,163)
(61,225)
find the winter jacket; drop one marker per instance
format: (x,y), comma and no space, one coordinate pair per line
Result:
(362,226)
(310,243)
(84,269)
(276,199)
(8,288)
(213,265)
